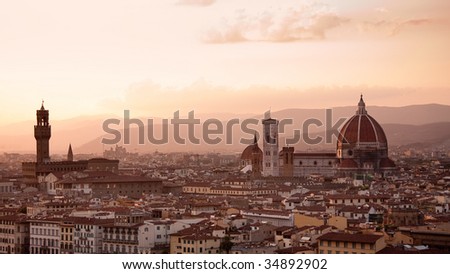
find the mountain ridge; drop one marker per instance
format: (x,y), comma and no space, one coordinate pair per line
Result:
(81,131)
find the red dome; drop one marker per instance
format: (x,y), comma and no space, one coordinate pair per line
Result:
(362,128)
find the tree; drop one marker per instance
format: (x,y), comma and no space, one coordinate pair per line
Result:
(226,244)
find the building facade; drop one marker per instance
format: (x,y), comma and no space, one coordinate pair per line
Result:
(45,236)
(88,235)
(14,234)
(344,243)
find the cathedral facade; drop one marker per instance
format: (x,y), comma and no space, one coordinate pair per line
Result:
(361,150)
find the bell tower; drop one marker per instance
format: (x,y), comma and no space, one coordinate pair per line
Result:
(42,134)
(270,146)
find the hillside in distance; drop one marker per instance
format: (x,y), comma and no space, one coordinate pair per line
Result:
(403,125)
(398,134)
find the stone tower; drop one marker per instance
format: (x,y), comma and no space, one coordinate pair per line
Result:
(42,134)
(270,147)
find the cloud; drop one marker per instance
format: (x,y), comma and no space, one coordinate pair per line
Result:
(289,25)
(382,10)
(393,27)
(202,3)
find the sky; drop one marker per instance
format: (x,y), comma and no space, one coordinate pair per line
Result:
(215,56)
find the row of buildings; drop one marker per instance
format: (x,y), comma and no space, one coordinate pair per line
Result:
(164,224)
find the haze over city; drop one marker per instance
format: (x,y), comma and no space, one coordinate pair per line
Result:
(156,57)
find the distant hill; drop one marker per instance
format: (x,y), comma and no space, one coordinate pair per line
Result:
(403,125)
(435,134)
(429,134)
(407,115)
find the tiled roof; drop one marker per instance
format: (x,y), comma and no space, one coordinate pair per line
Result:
(353,238)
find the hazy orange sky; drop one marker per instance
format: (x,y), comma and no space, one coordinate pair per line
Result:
(155,57)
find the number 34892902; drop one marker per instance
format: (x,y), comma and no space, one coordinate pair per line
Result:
(295,264)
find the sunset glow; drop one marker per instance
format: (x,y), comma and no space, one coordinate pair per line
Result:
(155,57)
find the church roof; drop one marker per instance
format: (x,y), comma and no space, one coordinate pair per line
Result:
(250,150)
(362,128)
(348,163)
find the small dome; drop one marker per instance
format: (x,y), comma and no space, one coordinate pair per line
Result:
(250,151)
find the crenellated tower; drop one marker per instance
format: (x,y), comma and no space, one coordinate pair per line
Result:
(42,134)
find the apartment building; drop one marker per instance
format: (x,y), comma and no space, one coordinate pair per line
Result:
(45,236)
(345,243)
(88,235)
(14,234)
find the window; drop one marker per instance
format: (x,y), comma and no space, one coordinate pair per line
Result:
(363,246)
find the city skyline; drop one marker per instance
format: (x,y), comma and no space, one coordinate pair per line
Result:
(270,127)
(219,56)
